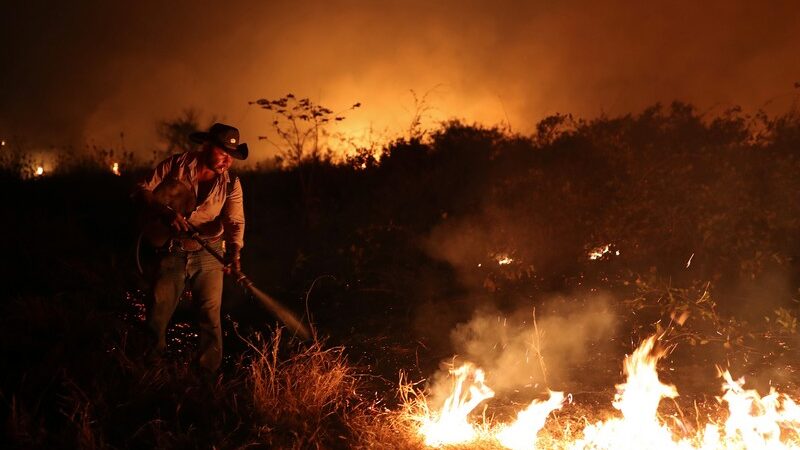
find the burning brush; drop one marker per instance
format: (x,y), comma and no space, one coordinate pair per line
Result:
(753,422)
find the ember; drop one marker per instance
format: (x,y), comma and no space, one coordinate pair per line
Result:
(599,252)
(504,260)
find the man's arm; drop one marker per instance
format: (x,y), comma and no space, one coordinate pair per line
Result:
(143,193)
(233,222)
(144,188)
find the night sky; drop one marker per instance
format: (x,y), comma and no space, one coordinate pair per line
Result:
(84,72)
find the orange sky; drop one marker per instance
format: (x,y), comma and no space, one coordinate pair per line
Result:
(84,73)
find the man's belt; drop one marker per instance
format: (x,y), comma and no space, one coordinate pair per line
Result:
(189,244)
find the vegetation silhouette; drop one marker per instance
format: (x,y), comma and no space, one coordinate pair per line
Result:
(703,211)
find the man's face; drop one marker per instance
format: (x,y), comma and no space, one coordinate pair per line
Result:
(218,160)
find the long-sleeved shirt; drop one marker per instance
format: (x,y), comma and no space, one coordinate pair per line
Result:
(222,211)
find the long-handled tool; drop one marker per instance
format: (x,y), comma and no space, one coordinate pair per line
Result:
(179,198)
(283,314)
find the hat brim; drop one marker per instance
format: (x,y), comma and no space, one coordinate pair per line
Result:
(201,137)
(240,152)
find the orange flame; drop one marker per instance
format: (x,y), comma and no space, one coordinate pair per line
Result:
(521,435)
(450,425)
(753,422)
(637,399)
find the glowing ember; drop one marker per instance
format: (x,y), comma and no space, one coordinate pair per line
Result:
(689,262)
(521,435)
(39,171)
(599,252)
(450,424)
(504,260)
(115,169)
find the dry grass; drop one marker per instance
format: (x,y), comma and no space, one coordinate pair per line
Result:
(282,395)
(314,399)
(305,400)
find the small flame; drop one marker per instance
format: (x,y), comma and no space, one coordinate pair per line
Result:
(755,421)
(521,435)
(689,262)
(599,252)
(115,169)
(504,260)
(450,425)
(2,143)
(39,171)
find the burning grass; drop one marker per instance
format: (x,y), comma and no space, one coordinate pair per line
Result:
(744,419)
(281,393)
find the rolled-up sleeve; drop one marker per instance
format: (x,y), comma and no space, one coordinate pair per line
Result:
(233,215)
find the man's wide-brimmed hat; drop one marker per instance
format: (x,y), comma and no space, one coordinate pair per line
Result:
(223,136)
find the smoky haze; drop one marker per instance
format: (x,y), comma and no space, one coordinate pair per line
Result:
(524,349)
(87,72)
(528,351)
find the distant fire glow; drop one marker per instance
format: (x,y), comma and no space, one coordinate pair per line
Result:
(39,171)
(603,250)
(115,169)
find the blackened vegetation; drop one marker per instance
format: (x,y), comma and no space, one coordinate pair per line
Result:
(399,252)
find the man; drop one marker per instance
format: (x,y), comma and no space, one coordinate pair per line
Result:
(214,209)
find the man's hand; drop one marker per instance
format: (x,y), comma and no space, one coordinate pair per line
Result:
(176,221)
(232,259)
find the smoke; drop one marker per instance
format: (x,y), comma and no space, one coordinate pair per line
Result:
(90,70)
(533,350)
(502,243)
(522,350)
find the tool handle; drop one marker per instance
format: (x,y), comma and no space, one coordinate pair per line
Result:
(238,275)
(283,314)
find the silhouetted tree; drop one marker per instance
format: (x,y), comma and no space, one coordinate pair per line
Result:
(175,132)
(299,124)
